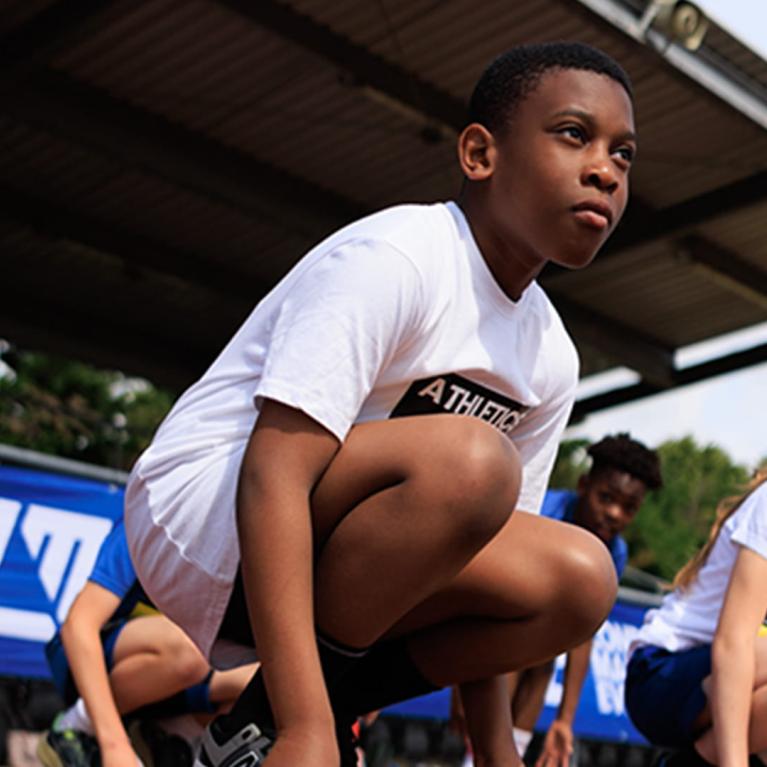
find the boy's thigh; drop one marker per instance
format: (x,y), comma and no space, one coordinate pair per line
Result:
(151,633)
(533,565)
(447,453)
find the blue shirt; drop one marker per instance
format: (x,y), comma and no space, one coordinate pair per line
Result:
(114,571)
(560,504)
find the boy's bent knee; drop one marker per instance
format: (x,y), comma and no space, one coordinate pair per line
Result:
(188,664)
(589,585)
(475,472)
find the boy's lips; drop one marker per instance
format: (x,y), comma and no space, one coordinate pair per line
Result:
(594,213)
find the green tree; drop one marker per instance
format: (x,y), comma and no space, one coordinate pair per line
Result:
(572,461)
(74,410)
(674,521)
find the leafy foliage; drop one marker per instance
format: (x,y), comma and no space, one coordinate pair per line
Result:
(74,410)
(572,461)
(674,521)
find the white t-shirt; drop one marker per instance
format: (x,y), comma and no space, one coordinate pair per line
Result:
(396,314)
(690,617)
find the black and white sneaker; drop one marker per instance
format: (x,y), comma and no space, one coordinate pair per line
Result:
(247,748)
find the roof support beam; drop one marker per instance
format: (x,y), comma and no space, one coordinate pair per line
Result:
(726,269)
(727,364)
(59,222)
(650,358)
(641,227)
(367,68)
(137,138)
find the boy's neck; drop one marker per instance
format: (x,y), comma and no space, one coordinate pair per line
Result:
(511,265)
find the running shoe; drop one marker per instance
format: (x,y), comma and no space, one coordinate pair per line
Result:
(250,746)
(246,748)
(348,742)
(68,748)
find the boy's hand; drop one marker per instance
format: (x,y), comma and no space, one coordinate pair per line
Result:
(557,746)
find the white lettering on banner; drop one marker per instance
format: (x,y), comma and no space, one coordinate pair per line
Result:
(67,533)
(608,665)
(9,513)
(555,689)
(26,624)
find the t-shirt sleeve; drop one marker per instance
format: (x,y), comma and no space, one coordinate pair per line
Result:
(537,440)
(749,523)
(114,569)
(343,319)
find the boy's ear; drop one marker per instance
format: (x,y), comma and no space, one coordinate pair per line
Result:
(476,152)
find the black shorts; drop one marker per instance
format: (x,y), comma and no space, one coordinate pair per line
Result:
(235,626)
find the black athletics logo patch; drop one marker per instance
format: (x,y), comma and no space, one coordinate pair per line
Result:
(451,393)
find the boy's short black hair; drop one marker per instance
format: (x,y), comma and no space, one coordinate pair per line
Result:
(626,454)
(509,79)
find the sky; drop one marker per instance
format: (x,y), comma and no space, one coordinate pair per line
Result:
(744,19)
(730,410)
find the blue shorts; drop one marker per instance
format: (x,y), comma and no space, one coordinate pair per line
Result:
(664,695)
(59,665)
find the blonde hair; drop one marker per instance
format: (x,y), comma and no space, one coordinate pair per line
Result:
(724,511)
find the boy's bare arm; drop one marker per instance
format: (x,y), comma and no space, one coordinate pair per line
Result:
(82,643)
(286,455)
(488,722)
(558,744)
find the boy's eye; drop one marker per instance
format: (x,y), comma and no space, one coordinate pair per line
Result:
(626,153)
(574,131)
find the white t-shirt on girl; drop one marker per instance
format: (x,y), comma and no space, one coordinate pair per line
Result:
(690,617)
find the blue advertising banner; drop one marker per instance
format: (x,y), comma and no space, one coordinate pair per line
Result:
(601,714)
(51,528)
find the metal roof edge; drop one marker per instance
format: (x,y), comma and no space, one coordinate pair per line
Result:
(729,88)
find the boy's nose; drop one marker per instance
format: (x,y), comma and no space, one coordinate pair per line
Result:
(601,175)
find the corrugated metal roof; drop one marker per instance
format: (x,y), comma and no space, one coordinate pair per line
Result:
(230,136)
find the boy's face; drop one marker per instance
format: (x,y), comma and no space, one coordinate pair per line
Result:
(608,501)
(559,184)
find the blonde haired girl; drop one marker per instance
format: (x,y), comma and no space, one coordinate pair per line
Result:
(697,675)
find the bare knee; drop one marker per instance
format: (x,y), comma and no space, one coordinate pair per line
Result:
(474,473)
(186,662)
(588,586)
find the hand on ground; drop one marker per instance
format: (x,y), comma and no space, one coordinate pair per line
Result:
(557,746)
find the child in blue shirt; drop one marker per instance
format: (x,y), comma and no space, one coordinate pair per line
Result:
(115,654)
